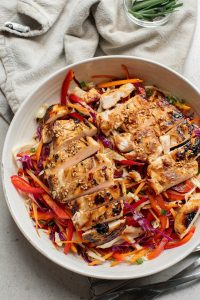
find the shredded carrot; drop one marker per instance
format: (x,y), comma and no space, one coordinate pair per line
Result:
(138,255)
(173,212)
(130,253)
(35,217)
(39,149)
(95,262)
(108,255)
(99,262)
(38,181)
(72,242)
(117,82)
(114,263)
(73,248)
(163,222)
(125,238)
(173,204)
(79,236)
(141,185)
(182,106)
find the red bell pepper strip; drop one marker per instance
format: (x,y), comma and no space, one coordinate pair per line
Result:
(128,162)
(156,252)
(183,187)
(65,86)
(178,243)
(76,115)
(22,185)
(76,99)
(172,195)
(69,236)
(131,222)
(59,211)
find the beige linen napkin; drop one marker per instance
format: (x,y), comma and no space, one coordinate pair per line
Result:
(66,31)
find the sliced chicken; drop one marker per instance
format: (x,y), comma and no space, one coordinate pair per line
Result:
(104,233)
(123,141)
(175,167)
(110,98)
(89,96)
(123,114)
(55,112)
(47,133)
(166,115)
(180,133)
(85,219)
(142,144)
(73,153)
(95,200)
(68,130)
(89,176)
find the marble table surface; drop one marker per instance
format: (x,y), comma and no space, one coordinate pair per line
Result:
(26,274)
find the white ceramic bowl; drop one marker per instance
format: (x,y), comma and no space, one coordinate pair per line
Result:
(23,126)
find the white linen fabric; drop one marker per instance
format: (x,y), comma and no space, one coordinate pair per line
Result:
(66,31)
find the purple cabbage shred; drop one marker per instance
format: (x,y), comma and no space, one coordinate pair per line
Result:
(144,223)
(39,132)
(26,162)
(107,143)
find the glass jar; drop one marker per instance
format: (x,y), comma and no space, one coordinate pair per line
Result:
(144,23)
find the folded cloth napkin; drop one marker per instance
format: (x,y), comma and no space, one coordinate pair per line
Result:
(64,31)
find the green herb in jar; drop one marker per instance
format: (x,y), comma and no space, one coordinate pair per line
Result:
(150,10)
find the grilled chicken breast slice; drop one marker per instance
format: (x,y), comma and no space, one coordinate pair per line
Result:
(74,152)
(110,120)
(65,131)
(89,96)
(165,114)
(89,176)
(95,200)
(175,167)
(104,233)
(111,97)
(180,133)
(55,112)
(47,133)
(142,144)
(84,220)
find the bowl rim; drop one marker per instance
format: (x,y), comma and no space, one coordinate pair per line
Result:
(34,243)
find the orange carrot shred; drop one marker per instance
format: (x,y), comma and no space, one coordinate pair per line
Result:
(117,82)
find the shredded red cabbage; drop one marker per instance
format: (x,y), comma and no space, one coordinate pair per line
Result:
(39,132)
(26,162)
(197,132)
(144,223)
(41,204)
(121,248)
(82,252)
(106,142)
(44,153)
(61,236)
(52,234)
